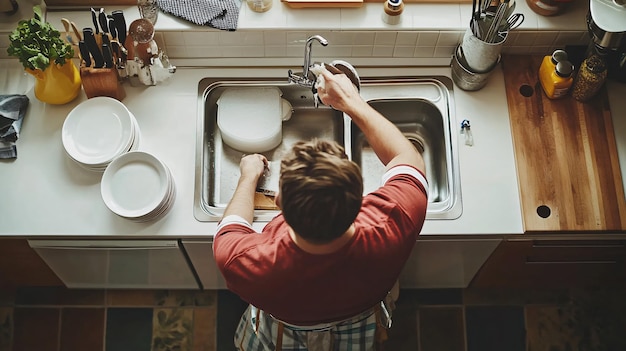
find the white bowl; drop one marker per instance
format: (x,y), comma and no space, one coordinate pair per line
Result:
(250,119)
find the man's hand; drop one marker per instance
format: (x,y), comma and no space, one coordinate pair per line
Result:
(242,203)
(252,167)
(339,92)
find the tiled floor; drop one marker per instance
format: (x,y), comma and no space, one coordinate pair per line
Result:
(57,319)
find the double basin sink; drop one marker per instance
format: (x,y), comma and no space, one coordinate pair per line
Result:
(421,107)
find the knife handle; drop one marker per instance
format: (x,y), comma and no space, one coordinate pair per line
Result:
(120,25)
(94,19)
(108,57)
(112,29)
(93,47)
(102,19)
(84,53)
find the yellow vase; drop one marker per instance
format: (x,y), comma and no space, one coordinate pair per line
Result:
(57,84)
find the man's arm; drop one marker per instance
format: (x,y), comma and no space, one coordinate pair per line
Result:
(242,202)
(387,141)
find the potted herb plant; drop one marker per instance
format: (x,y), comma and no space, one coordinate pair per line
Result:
(47,57)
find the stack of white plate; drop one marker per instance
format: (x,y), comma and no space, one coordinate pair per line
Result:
(138,186)
(97,131)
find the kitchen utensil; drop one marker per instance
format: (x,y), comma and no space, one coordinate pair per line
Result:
(102,20)
(93,47)
(107,55)
(84,53)
(250,119)
(495,23)
(111,25)
(514,21)
(268,184)
(70,37)
(94,19)
(76,31)
(120,25)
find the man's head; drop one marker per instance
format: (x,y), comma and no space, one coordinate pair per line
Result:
(320,190)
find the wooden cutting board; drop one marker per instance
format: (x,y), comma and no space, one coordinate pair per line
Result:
(567,165)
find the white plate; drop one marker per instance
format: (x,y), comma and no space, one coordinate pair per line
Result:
(97,130)
(135,184)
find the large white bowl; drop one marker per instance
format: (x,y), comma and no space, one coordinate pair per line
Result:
(250,119)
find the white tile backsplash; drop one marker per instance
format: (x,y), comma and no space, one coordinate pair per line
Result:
(426,31)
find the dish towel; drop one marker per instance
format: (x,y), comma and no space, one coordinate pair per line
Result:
(220,14)
(12,111)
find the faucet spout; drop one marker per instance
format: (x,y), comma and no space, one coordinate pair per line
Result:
(307,53)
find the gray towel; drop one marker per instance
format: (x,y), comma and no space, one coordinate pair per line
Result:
(220,14)
(12,111)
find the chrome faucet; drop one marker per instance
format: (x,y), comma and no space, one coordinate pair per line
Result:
(304,78)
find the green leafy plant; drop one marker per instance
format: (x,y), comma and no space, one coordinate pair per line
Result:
(36,43)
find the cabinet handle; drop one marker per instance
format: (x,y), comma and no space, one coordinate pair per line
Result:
(530,261)
(564,245)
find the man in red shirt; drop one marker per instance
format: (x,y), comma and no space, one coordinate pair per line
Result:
(317,276)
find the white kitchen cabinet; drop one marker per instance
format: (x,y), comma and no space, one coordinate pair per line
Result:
(445,263)
(436,263)
(118,264)
(200,253)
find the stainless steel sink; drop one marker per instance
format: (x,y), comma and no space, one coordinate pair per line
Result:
(422,107)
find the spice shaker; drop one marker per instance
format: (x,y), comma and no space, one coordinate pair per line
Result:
(392,11)
(590,78)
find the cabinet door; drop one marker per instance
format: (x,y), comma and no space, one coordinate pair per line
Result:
(445,263)
(21,266)
(118,264)
(200,253)
(555,264)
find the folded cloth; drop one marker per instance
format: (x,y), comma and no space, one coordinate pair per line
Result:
(12,111)
(220,14)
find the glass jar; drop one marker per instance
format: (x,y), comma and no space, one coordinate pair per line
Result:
(590,78)
(259,5)
(148,9)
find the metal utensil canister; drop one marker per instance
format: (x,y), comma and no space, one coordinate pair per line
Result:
(463,76)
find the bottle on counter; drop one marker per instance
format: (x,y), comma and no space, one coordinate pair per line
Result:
(590,78)
(559,82)
(548,64)
(392,11)
(259,5)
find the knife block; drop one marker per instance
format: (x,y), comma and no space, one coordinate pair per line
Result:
(102,82)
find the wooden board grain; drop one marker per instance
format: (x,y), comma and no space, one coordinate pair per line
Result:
(565,153)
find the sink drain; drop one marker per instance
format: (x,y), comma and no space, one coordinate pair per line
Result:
(417,144)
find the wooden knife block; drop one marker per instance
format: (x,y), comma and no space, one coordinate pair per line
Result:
(102,82)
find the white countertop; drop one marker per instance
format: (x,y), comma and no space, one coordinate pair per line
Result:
(47,194)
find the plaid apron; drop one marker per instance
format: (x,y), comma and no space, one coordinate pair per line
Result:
(259,331)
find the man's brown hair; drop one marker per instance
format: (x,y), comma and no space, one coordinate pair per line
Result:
(321,190)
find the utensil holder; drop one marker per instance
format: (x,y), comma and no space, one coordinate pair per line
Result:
(481,55)
(464,77)
(102,82)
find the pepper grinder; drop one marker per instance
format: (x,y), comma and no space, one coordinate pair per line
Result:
(393,9)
